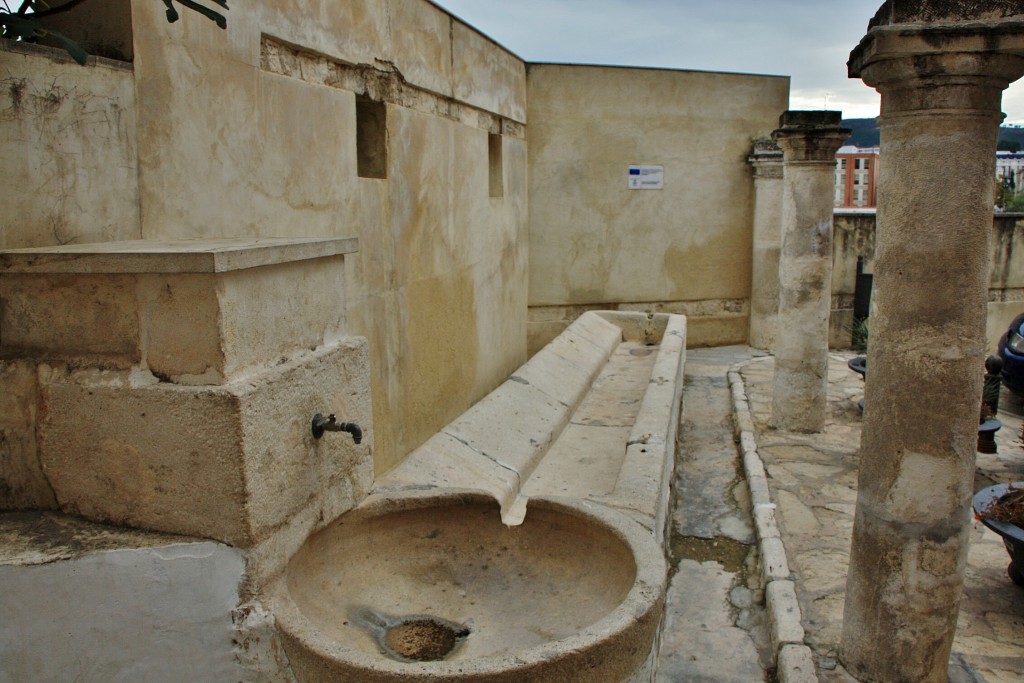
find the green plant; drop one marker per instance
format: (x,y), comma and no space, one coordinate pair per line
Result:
(1015,203)
(28,22)
(858,330)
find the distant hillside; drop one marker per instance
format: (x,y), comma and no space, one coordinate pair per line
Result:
(1011,134)
(865,134)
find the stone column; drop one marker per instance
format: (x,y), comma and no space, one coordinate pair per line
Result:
(941,84)
(809,140)
(766,160)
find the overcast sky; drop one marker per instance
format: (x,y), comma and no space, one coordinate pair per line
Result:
(808,40)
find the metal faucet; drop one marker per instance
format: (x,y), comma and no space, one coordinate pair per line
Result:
(323,424)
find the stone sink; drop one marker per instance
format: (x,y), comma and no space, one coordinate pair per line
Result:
(434,587)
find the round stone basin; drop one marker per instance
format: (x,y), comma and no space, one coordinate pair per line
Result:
(436,588)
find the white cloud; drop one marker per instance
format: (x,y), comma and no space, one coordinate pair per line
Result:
(808,40)
(1013,103)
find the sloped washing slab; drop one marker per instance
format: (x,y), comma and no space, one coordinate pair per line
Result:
(573,594)
(593,415)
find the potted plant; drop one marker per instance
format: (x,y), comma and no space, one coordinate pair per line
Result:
(859,341)
(1001,509)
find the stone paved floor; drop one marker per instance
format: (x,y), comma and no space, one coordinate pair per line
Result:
(813,481)
(715,629)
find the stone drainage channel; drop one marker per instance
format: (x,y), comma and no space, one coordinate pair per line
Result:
(732,612)
(716,627)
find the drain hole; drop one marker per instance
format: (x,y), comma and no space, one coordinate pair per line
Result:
(419,638)
(424,639)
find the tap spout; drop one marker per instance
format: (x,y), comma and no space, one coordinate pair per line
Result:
(330,423)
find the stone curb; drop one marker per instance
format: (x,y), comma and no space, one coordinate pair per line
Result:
(796,665)
(794,660)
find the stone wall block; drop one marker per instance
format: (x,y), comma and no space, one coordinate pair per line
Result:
(194,313)
(162,458)
(178,320)
(231,462)
(98,323)
(23,486)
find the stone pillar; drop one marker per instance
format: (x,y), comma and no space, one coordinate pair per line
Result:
(941,83)
(766,160)
(809,140)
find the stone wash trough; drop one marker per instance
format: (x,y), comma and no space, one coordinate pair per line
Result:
(203,516)
(524,541)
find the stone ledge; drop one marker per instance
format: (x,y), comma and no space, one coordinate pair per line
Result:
(171,256)
(194,312)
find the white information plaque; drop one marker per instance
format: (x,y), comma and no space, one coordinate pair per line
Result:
(643,177)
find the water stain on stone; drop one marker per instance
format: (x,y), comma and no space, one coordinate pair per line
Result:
(730,554)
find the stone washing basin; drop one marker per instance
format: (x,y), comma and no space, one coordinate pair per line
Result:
(435,588)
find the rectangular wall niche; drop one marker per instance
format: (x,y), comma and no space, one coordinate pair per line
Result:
(371,138)
(496,167)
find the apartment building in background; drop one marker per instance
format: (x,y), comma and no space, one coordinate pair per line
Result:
(856,177)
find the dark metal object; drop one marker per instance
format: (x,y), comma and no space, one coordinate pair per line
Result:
(859,364)
(987,435)
(990,394)
(862,291)
(323,424)
(1013,536)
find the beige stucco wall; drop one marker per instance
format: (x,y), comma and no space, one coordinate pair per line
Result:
(251,132)
(69,149)
(596,243)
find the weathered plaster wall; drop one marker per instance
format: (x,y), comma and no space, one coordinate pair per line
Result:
(439,285)
(594,243)
(1006,293)
(70,151)
(251,132)
(855,237)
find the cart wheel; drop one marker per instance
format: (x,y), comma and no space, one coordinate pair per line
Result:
(1015,574)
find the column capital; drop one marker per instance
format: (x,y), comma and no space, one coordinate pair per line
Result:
(766,159)
(928,11)
(925,57)
(810,135)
